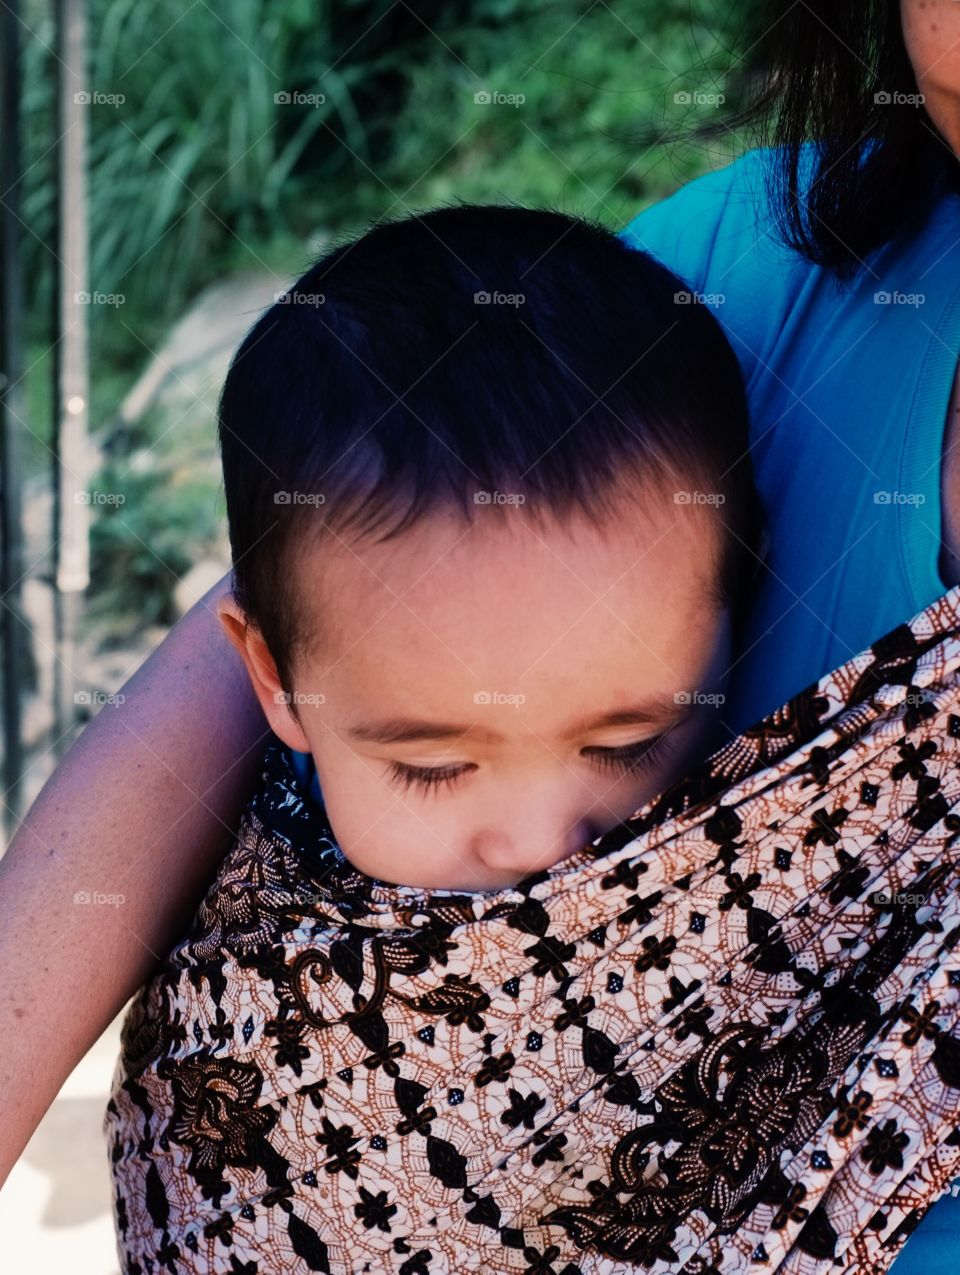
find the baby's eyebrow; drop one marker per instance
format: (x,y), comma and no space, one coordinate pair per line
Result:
(403,730)
(661,709)
(658,710)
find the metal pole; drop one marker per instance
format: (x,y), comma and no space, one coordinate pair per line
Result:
(12,627)
(71,452)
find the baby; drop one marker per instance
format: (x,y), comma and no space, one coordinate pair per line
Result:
(492,522)
(456,453)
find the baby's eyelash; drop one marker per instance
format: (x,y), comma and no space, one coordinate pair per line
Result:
(631,758)
(425,778)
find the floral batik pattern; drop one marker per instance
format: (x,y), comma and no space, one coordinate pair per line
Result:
(724,1037)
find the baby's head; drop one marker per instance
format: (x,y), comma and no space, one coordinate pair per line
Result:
(492,519)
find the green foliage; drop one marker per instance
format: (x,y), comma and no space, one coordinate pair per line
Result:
(199,160)
(143,545)
(203,169)
(598,130)
(193,148)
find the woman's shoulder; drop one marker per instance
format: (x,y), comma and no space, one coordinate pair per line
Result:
(719,234)
(725,227)
(722,215)
(744,174)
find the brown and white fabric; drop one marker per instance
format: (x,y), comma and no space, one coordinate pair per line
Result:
(724,1037)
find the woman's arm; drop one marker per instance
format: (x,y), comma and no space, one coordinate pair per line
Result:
(143,806)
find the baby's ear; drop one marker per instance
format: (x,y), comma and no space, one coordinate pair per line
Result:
(233,621)
(262,671)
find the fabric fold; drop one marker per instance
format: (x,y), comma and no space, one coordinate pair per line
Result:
(723,1037)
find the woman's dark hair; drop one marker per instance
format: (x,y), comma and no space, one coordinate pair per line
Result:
(471,350)
(836,73)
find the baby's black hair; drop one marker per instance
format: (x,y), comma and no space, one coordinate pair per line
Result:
(463,352)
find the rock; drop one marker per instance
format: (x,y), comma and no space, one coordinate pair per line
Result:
(201,344)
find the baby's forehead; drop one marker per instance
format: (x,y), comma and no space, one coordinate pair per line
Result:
(508,599)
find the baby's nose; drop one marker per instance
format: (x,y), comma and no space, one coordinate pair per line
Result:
(518,853)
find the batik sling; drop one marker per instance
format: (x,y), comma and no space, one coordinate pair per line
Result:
(723,1037)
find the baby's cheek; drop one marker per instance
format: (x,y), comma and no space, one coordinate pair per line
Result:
(380,835)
